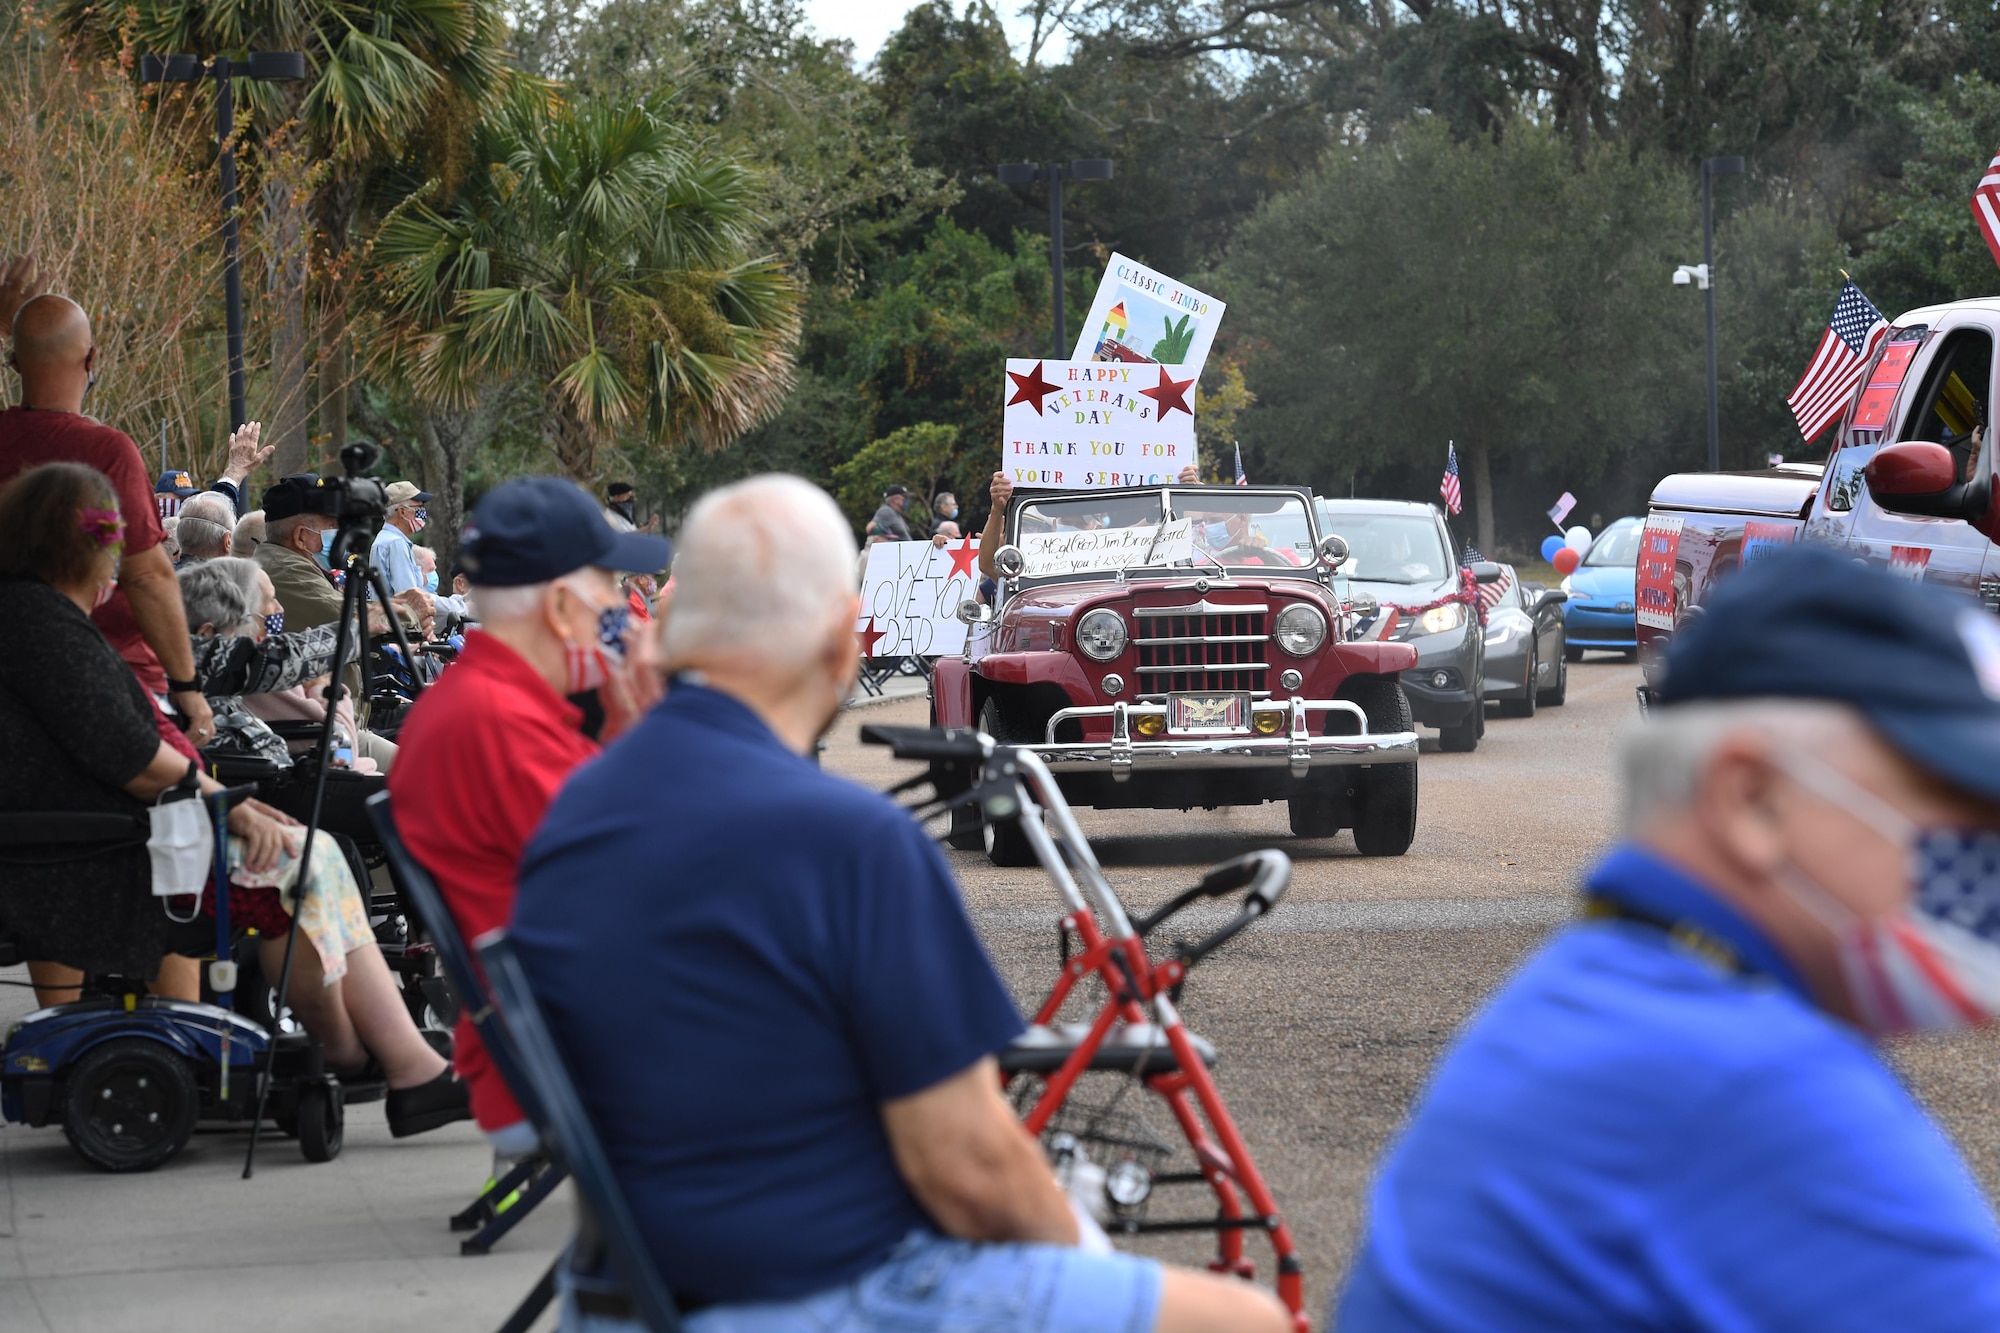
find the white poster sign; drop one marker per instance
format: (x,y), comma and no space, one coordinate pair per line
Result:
(1141,315)
(1102,550)
(1082,425)
(910,594)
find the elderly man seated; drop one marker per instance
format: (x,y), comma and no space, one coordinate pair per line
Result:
(206,527)
(775,1005)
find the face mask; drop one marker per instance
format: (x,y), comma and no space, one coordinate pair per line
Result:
(431,581)
(949,511)
(623,508)
(274,623)
(1934,966)
(104,594)
(420,518)
(1217,536)
(587,665)
(325,556)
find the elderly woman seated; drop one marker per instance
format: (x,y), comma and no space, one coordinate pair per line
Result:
(81,735)
(241,647)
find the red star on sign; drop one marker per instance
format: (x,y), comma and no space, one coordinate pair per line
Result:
(1030,386)
(962,556)
(869,638)
(1170,393)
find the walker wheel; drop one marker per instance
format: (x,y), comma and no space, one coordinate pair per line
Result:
(129,1105)
(322,1121)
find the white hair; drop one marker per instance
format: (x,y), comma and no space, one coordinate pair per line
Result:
(249,533)
(205,520)
(763,568)
(1662,759)
(223,593)
(496,604)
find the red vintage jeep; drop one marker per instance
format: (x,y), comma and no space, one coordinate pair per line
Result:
(1182,646)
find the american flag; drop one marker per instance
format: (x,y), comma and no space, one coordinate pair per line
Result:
(1242,478)
(1448,488)
(1986,207)
(1829,382)
(1489,593)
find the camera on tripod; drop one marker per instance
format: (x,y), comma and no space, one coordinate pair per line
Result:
(358,502)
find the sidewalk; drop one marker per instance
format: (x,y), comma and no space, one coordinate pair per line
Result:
(894,688)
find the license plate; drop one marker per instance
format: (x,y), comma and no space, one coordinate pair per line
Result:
(1208,712)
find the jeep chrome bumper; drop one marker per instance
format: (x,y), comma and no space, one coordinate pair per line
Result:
(1292,745)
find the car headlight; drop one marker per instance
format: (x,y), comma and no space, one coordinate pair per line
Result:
(1300,629)
(1570,591)
(1101,635)
(1441,618)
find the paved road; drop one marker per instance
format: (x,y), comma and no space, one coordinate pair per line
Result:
(1328,1016)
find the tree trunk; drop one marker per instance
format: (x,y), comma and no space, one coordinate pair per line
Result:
(572,444)
(285,269)
(1480,461)
(335,206)
(451,441)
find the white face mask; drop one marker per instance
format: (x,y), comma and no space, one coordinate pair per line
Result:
(1934,965)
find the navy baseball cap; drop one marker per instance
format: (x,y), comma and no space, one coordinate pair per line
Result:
(174,483)
(290,496)
(534,529)
(1920,664)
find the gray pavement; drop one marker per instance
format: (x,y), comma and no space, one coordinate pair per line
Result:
(1328,1016)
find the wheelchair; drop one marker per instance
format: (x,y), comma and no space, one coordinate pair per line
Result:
(128,1076)
(1071,1081)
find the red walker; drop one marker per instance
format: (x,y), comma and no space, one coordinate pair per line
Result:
(1160,1055)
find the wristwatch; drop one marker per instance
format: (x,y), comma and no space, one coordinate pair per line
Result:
(183,686)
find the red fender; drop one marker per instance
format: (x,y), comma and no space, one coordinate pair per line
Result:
(1374,659)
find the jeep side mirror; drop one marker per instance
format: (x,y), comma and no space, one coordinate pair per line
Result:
(1009,562)
(1333,550)
(1485,571)
(1919,478)
(974,612)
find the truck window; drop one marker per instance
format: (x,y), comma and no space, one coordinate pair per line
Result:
(1951,407)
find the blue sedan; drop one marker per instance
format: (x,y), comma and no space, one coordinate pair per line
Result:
(1599,612)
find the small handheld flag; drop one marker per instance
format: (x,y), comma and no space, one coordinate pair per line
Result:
(1242,479)
(1560,509)
(1448,488)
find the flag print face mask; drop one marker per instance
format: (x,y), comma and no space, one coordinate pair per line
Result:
(1934,965)
(587,665)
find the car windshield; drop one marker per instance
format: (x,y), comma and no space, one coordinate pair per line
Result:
(1249,529)
(1616,545)
(1390,548)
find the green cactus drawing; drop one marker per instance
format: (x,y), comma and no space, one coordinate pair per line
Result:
(1173,349)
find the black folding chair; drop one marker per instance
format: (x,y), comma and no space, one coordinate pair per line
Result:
(491,1215)
(566,1131)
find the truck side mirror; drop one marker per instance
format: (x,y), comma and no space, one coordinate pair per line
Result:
(1921,479)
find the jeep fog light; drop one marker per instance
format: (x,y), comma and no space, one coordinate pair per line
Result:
(1268,722)
(1149,724)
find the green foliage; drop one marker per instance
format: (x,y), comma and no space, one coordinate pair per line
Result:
(1930,249)
(924,457)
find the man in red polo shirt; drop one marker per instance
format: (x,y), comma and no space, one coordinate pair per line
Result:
(57,360)
(484,750)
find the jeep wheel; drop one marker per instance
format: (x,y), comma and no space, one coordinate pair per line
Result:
(1525,705)
(1385,814)
(1005,844)
(1554,695)
(130,1104)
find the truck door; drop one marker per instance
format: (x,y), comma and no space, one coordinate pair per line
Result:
(1948,406)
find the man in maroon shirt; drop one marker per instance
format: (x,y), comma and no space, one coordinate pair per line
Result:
(56,359)
(483,751)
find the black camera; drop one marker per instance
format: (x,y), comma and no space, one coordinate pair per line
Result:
(355,500)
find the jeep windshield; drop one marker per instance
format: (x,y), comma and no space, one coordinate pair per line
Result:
(1078,534)
(1391,548)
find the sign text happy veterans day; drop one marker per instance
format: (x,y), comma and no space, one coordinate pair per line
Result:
(1094,425)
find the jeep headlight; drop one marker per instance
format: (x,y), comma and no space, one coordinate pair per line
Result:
(1101,635)
(1441,618)
(1300,629)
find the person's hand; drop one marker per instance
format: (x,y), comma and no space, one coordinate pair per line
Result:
(1190,475)
(263,832)
(244,455)
(939,540)
(200,725)
(21,281)
(652,524)
(420,605)
(1001,490)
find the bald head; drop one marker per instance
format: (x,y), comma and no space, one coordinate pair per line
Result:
(53,353)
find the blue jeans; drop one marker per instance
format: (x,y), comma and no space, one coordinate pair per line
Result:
(933,1284)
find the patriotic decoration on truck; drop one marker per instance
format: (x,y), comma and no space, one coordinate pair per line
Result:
(1824,391)
(1986,206)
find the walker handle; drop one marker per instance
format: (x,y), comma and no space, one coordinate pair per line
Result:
(933,743)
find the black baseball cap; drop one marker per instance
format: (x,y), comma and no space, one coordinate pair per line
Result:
(534,529)
(290,496)
(898,489)
(1920,664)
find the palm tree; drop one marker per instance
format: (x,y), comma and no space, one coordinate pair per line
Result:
(377,74)
(603,254)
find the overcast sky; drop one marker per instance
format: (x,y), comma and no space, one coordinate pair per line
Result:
(868,23)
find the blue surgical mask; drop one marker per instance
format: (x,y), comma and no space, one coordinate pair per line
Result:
(431,581)
(274,623)
(1217,535)
(325,556)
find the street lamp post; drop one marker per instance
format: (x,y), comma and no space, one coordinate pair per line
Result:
(1710,169)
(1027,173)
(270,67)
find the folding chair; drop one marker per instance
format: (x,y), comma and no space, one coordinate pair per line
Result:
(504,1202)
(568,1134)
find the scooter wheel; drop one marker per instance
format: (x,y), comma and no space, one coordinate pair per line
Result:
(129,1104)
(322,1121)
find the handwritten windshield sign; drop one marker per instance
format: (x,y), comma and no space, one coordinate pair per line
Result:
(1103,550)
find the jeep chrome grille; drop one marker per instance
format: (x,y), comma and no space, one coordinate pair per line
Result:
(1201,647)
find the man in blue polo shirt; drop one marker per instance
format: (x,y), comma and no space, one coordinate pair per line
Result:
(1675,1117)
(774,1004)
